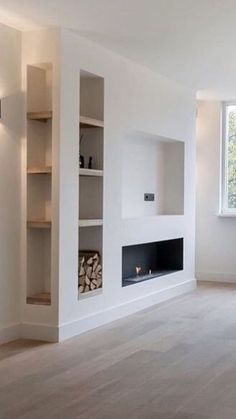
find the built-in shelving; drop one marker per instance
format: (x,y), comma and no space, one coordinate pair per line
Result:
(90,223)
(90,172)
(39,183)
(40,116)
(91,184)
(86,122)
(43,298)
(39,170)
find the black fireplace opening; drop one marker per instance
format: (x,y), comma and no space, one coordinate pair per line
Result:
(141,262)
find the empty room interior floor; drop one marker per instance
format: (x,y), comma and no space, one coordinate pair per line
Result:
(174,360)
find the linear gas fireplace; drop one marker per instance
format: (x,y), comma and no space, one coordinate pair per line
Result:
(142,262)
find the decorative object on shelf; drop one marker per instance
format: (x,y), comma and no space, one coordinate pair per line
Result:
(81,162)
(81,158)
(90,162)
(138,270)
(90,271)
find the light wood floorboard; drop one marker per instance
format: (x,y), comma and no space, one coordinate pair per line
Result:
(176,360)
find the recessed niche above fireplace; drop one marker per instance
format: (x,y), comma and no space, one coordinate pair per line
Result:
(152,165)
(142,262)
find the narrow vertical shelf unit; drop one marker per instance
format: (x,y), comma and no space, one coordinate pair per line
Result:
(39,183)
(91,184)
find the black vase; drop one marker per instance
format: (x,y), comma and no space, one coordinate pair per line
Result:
(81,162)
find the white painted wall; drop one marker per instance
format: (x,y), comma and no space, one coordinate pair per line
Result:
(10,181)
(136,99)
(215,236)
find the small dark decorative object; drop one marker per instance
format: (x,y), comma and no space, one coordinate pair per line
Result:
(81,158)
(81,162)
(90,164)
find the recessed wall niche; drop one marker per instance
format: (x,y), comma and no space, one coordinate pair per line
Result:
(91,139)
(142,262)
(152,164)
(39,182)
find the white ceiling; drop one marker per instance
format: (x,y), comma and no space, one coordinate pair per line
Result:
(190,41)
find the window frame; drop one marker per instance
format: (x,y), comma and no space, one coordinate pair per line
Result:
(224,210)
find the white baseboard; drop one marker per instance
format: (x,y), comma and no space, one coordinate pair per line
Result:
(101,318)
(9,333)
(216,277)
(39,332)
(50,333)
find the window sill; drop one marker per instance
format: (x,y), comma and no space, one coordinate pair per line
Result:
(226,214)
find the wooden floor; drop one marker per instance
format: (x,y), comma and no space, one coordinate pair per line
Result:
(172,361)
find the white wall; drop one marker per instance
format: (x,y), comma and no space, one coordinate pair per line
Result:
(215,236)
(138,99)
(135,99)
(10,152)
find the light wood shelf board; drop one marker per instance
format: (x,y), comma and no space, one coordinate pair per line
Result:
(39,116)
(90,172)
(43,298)
(86,122)
(90,223)
(88,294)
(39,224)
(39,170)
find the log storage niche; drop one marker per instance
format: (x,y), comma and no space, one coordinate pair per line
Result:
(91,139)
(90,271)
(39,177)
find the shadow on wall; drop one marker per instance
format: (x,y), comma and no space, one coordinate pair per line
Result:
(9,120)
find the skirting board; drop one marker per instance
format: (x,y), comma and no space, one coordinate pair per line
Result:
(42,332)
(216,277)
(10,333)
(75,328)
(57,334)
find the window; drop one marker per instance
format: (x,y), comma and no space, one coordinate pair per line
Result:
(228,195)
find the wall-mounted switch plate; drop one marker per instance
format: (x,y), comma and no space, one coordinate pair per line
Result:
(149,197)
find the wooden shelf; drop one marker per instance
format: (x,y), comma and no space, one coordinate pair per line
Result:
(90,223)
(86,122)
(39,116)
(88,294)
(39,224)
(39,170)
(90,172)
(43,298)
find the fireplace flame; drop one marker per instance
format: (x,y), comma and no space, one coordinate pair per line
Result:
(138,270)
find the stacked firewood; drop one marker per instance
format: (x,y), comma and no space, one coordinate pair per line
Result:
(90,271)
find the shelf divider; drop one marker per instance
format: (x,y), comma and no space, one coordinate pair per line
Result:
(86,122)
(39,116)
(43,298)
(39,170)
(43,224)
(90,172)
(90,223)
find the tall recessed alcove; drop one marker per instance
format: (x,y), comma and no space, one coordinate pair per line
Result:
(91,173)
(39,175)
